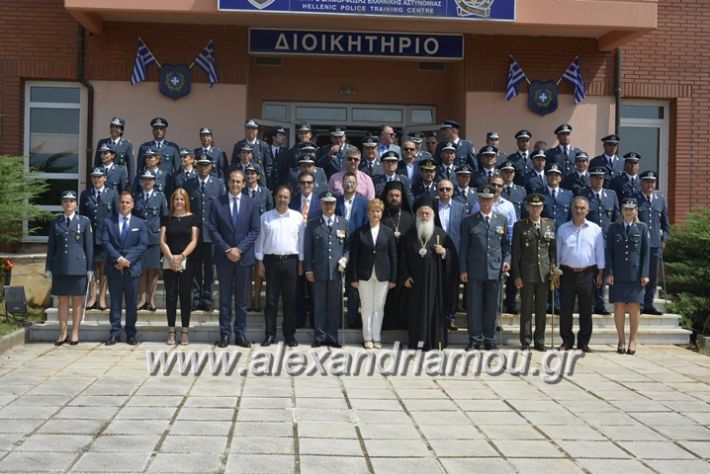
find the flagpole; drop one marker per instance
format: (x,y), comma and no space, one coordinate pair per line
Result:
(563,74)
(521,69)
(151,52)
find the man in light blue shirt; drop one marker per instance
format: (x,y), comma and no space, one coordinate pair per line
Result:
(580,257)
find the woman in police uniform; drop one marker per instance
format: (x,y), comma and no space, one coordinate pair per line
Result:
(151,206)
(627,265)
(69,259)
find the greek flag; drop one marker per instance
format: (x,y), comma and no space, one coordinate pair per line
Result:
(515,77)
(573,75)
(206,62)
(144,58)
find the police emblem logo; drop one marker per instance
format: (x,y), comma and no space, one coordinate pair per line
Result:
(175,81)
(542,97)
(261,4)
(479,8)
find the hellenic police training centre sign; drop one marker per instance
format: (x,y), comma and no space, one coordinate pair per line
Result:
(345,43)
(503,10)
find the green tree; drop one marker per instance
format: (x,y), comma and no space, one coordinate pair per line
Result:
(17,192)
(687,257)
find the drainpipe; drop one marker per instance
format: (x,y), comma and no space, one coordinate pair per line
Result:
(617,91)
(90,97)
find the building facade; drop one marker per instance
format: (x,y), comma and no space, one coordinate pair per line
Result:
(65,69)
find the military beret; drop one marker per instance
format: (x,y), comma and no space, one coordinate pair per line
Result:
(337,131)
(492,136)
(205,131)
(427,164)
(553,169)
(523,134)
(327,196)
(535,199)
(564,128)
(613,139)
(107,147)
(489,150)
(465,169)
(486,192)
(147,174)
(648,175)
(251,123)
(629,203)
(390,155)
(98,172)
(508,165)
(598,171)
(159,122)
(448,146)
(633,156)
(119,122)
(69,195)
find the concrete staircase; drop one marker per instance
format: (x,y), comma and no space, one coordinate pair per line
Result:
(663,329)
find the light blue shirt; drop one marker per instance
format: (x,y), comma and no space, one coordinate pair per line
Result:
(580,247)
(444,216)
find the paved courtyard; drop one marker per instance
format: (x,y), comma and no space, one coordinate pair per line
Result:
(92,408)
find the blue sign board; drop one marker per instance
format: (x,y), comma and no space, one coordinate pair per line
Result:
(501,10)
(350,43)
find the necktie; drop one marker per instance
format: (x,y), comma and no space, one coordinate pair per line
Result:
(648,198)
(98,196)
(564,152)
(329,223)
(235,211)
(448,172)
(305,208)
(251,193)
(627,229)
(633,182)
(68,222)
(508,190)
(554,195)
(488,220)
(599,197)
(146,197)
(369,167)
(202,187)
(124,231)
(276,152)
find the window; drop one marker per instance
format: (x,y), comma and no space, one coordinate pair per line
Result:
(644,129)
(53,118)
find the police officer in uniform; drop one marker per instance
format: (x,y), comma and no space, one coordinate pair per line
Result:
(579,178)
(98,203)
(426,186)
(325,249)
(418,138)
(627,268)
(511,191)
(628,184)
(202,191)
(485,254)
(463,192)
(163,177)
(122,146)
(116,175)
(187,170)
(69,263)
(216,154)
(332,157)
(521,158)
(558,201)
(261,153)
(288,161)
(535,181)
(487,166)
(263,201)
(564,154)
(165,148)
(603,210)
(152,207)
(307,165)
(465,151)
(246,157)
(534,254)
(609,160)
(653,211)
(447,169)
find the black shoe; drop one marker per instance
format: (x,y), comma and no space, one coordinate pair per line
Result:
(292,342)
(652,311)
(511,310)
(354,324)
(317,344)
(602,311)
(112,340)
(93,306)
(584,348)
(473,346)
(207,307)
(629,351)
(152,309)
(74,343)
(268,340)
(132,341)
(102,308)
(223,342)
(195,306)
(142,307)
(540,347)
(336,345)
(565,347)
(490,345)
(525,347)
(242,341)
(62,342)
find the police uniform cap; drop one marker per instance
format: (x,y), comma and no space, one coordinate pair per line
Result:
(205,131)
(69,195)
(448,146)
(465,169)
(390,155)
(204,160)
(581,156)
(648,175)
(416,137)
(306,159)
(370,142)
(492,135)
(535,199)
(247,147)
(159,122)
(629,203)
(304,127)
(119,122)
(98,172)
(613,139)
(564,128)
(539,154)
(251,123)
(523,134)
(486,192)
(508,165)
(107,147)
(150,152)
(252,168)
(280,130)
(427,164)
(553,169)
(327,196)
(489,150)
(633,156)
(599,171)
(450,124)
(186,152)
(147,174)
(337,131)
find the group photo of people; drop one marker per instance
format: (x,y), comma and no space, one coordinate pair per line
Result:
(399,233)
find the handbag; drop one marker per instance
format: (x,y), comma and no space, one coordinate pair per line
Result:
(181,267)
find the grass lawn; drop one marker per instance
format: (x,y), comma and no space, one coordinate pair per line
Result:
(10,324)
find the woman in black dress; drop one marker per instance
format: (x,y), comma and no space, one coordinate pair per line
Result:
(178,239)
(69,258)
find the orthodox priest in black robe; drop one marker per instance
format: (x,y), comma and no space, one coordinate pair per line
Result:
(427,254)
(398,217)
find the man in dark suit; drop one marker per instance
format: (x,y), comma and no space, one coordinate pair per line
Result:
(233,227)
(579,178)
(609,159)
(409,166)
(217,155)
(484,256)
(628,184)
(124,238)
(465,151)
(202,191)
(563,155)
(521,158)
(325,256)
(654,212)
(122,146)
(168,150)
(261,153)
